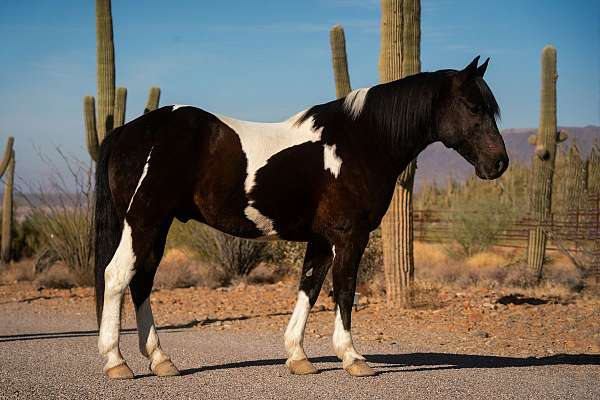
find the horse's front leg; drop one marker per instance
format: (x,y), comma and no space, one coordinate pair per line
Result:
(347,252)
(316,264)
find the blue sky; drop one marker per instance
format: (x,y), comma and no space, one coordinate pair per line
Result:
(265,60)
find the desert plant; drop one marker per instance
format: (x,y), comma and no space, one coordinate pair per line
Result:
(543,164)
(235,257)
(111,107)
(63,217)
(477,223)
(399,57)
(339,60)
(593,170)
(7,211)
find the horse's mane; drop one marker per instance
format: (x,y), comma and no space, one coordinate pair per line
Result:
(399,108)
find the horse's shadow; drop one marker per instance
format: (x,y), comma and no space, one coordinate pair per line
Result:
(414,362)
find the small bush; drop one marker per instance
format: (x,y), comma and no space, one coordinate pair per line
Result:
(57,277)
(477,224)
(62,217)
(234,257)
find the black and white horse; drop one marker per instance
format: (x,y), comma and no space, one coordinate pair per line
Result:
(324,176)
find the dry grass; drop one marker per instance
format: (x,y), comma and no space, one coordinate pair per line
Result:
(59,276)
(495,268)
(178,270)
(21,271)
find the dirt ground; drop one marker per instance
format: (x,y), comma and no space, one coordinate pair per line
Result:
(477,320)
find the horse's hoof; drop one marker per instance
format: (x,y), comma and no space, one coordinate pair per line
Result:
(121,371)
(300,367)
(360,368)
(166,368)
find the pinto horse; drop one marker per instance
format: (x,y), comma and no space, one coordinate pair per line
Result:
(324,176)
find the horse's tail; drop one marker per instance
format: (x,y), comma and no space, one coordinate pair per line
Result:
(108,226)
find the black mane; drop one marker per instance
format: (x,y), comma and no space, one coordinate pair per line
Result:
(400,108)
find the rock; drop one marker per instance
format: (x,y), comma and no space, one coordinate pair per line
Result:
(481,334)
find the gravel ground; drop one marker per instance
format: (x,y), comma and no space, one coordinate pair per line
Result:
(49,355)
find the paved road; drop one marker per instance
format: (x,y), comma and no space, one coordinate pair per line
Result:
(45,355)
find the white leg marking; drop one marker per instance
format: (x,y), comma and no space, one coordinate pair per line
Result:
(342,342)
(144,173)
(176,106)
(355,102)
(331,161)
(294,333)
(148,338)
(117,276)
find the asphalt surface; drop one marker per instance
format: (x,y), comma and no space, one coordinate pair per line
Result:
(46,355)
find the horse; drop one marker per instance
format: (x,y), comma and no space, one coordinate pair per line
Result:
(325,176)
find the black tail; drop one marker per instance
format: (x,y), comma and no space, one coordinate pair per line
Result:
(108,225)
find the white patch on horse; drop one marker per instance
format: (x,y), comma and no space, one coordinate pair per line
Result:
(331,161)
(294,333)
(333,251)
(355,102)
(117,276)
(176,106)
(264,224)
(342,342)
(144,172)
(260,141)
(148,338)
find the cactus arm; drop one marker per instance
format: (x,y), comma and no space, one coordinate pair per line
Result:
(8,151)
(89,113)
(120,106)
(153,99)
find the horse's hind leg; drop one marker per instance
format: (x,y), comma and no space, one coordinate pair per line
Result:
(316,264)
(118,274)
(141,287)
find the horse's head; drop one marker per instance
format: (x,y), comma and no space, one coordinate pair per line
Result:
(466,121)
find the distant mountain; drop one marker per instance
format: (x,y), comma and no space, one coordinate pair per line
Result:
(438,164)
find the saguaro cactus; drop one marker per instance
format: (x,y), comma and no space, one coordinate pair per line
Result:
(399,57)
(593,170)
(7,164)
(543,164)
(7,211)
(575,179)
(337,39)
(111,104)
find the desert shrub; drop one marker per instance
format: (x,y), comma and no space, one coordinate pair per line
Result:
(26,238)
(20,271)
(233,256)
(289,255)
(57,277)
(476,224)
(61,211)
(178,270)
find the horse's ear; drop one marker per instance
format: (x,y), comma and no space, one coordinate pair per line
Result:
(481,69)
(468,72)
(472,67)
